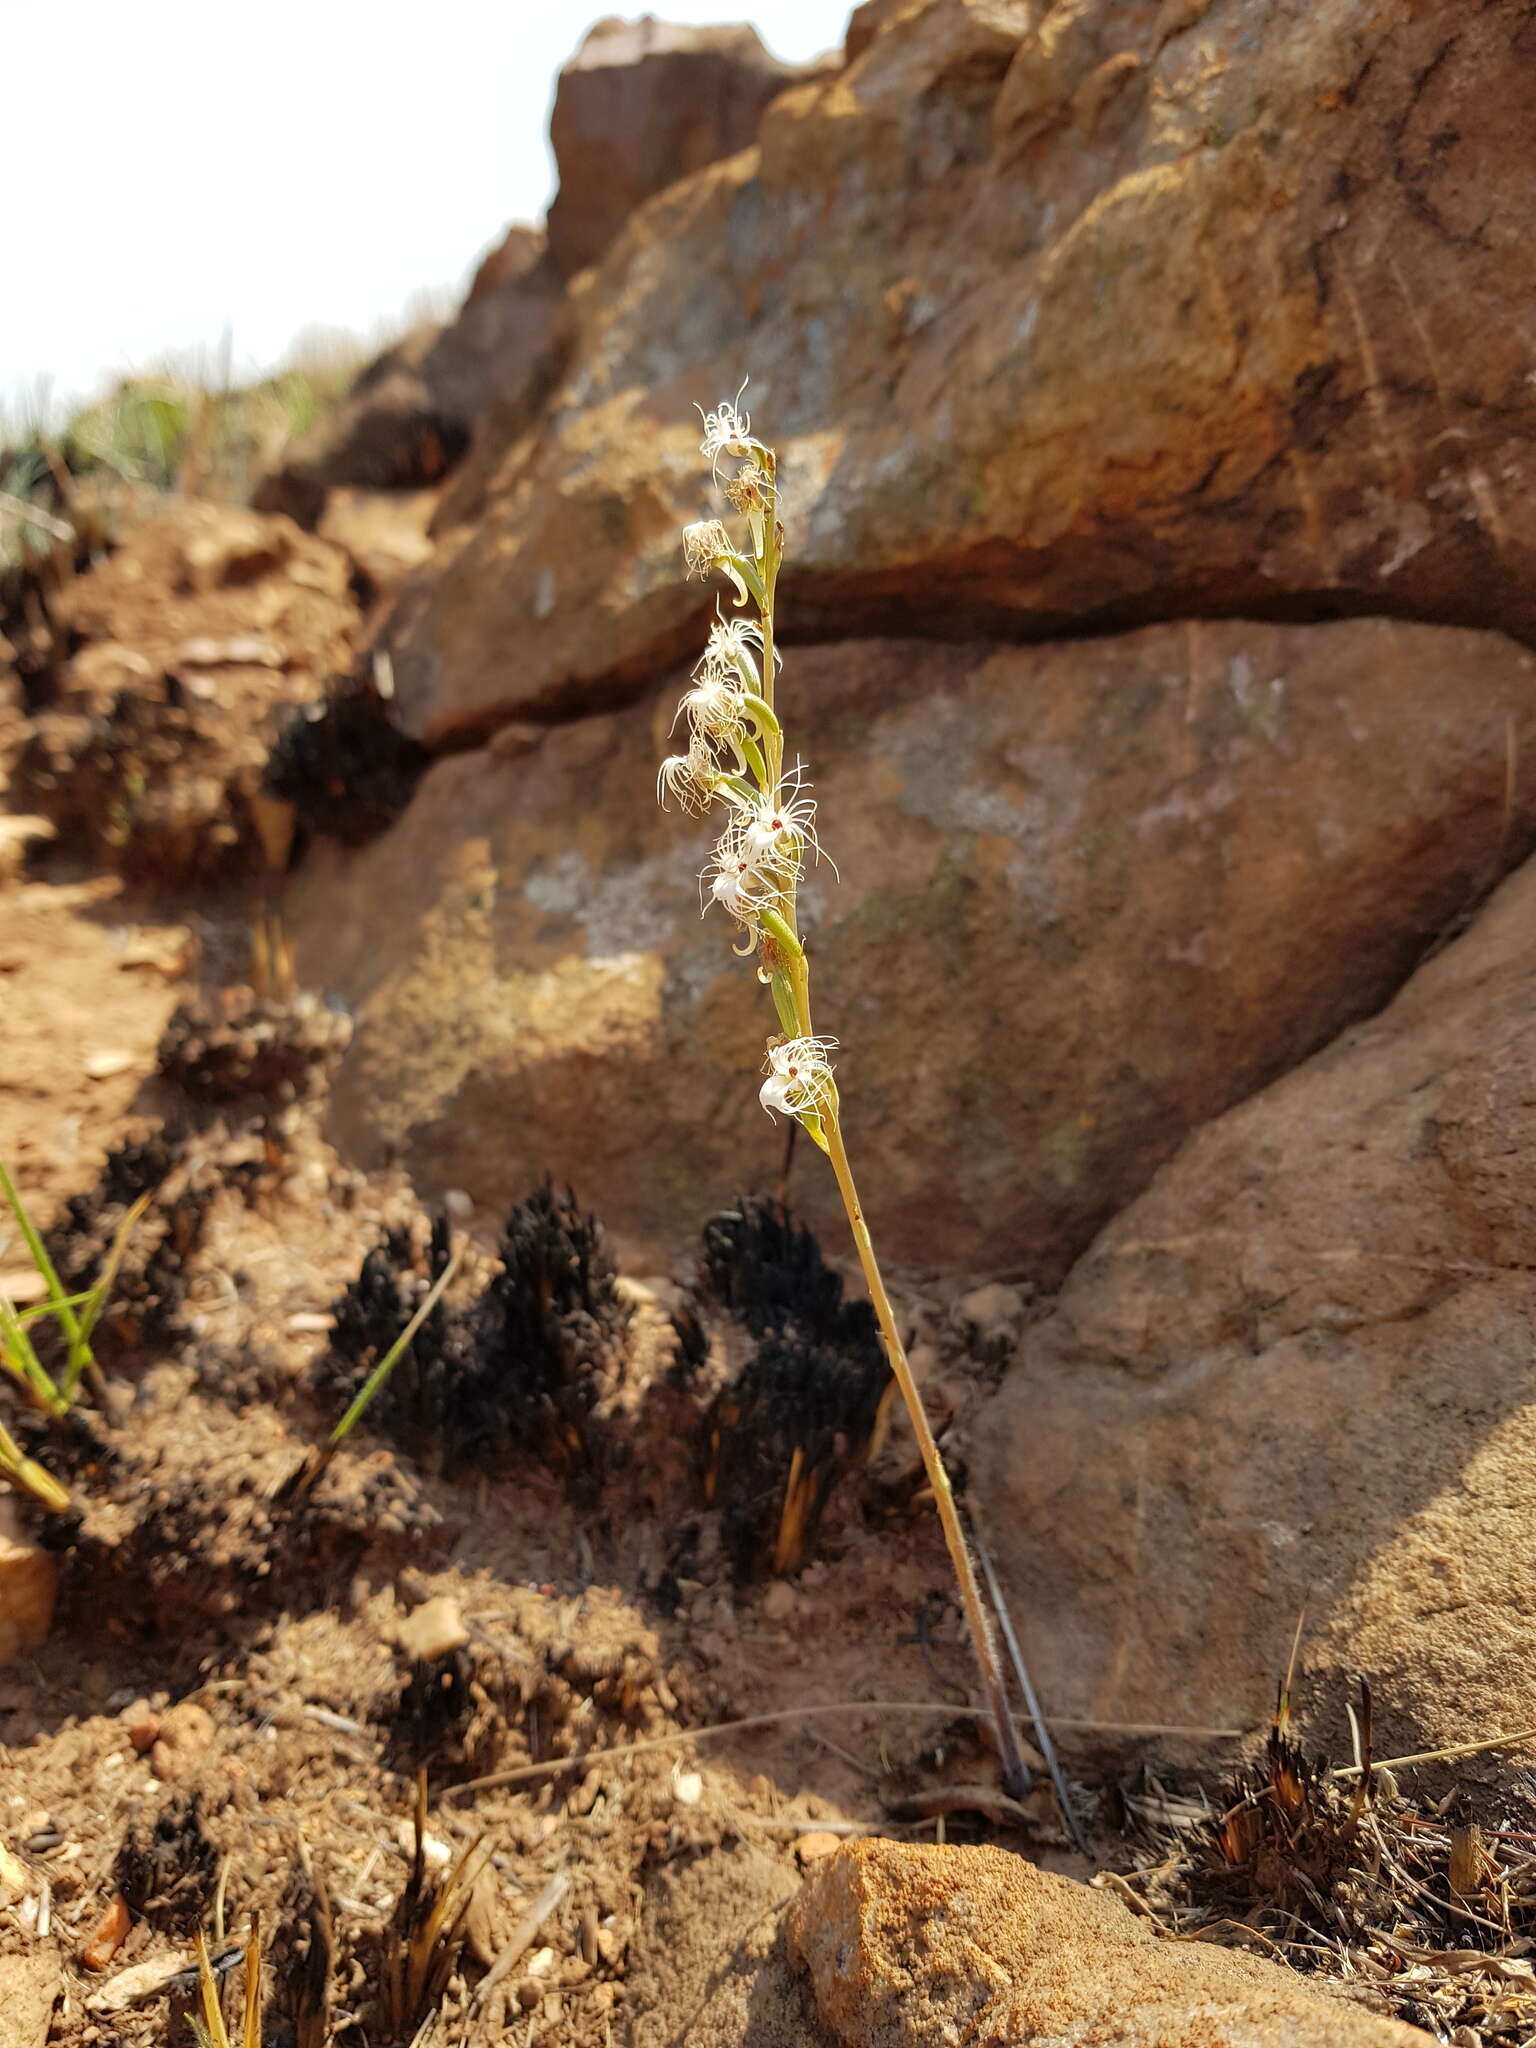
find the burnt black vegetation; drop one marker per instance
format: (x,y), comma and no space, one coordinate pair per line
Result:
(345,766)
(166,1871)
(518,1373)
(804,1405)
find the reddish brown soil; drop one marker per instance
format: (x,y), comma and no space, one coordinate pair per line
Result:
(259,1638)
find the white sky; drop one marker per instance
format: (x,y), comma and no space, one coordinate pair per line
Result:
(176,169)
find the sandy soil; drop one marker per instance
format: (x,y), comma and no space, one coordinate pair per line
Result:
(229,1700)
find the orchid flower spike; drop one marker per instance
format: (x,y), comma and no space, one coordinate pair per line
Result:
(799,1079)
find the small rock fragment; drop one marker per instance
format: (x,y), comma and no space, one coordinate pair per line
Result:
(436,1628)
(103,1065)
(812,1847)
(186,1732)
(993,1311)
(141,1724)
(108,1935)
(29,1583)
(780,1600)
(15,1878)
(435,1853)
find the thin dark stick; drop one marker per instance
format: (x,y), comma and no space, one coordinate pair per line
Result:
(1031,1698)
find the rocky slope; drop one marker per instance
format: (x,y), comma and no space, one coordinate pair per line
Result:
(1152,388)
(1166,361)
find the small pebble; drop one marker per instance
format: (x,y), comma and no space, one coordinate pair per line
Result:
(108,1935)
(436,1628)
(780,1600)
(141,1724)
(436,1854)
(15,1878)
(186,1733)
(810,1848)
(102,1066)
(993,1310)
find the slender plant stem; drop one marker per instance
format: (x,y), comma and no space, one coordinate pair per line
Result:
(1015,1770)
(827,1131)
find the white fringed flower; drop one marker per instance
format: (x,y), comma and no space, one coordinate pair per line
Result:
(799,1079)
(739,889)
(688,778)
(737,644)
(750,492)
(714,705)
(727,431)
(705,545)
(778,828)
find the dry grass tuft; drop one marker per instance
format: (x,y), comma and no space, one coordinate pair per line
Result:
(1426,1914)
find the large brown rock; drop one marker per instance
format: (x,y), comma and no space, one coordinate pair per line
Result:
(1091,894)
(908,1946)
(640,105)
(1080,313)
(1297,1373)
(407,420)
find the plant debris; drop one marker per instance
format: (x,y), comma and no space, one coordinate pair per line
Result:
(166,1873)
(1430,1916)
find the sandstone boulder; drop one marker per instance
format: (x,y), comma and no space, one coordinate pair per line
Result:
(640,105)
(1091,895)
(407,420)
(1297,1373)
(905,1946)
(1088,314)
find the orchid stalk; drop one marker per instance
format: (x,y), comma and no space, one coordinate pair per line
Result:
(734,763)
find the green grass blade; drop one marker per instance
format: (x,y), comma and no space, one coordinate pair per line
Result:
(96,1298)
(395,1353)
(59,1301)
(23,1363)
(46,1308)
(98,1295)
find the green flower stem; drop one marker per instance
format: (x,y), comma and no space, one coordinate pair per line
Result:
(789,979)
(1015,1771)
